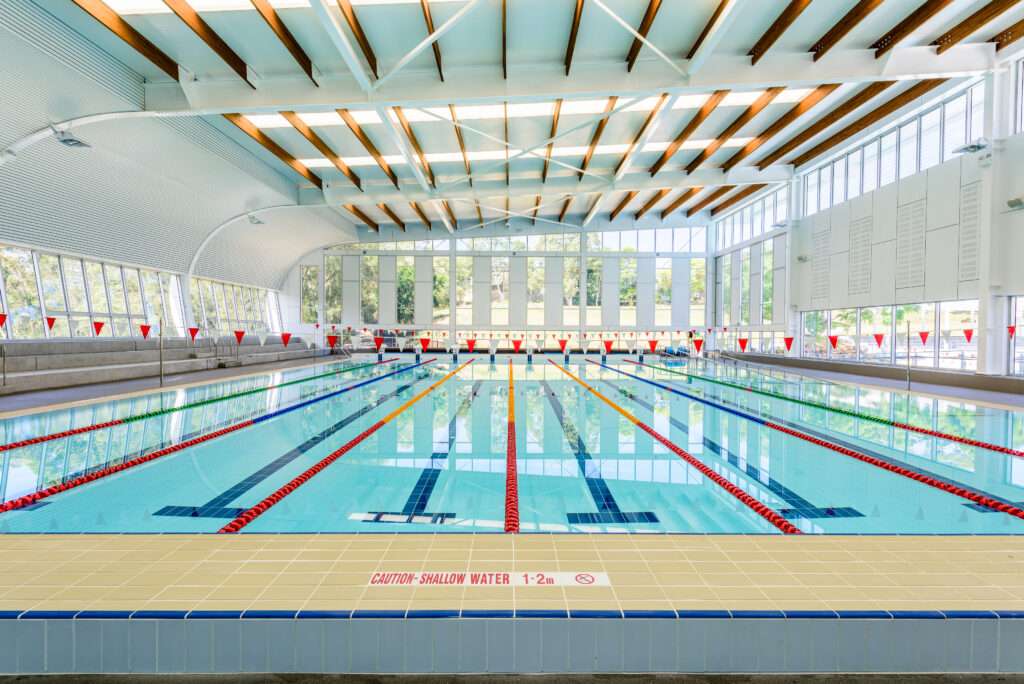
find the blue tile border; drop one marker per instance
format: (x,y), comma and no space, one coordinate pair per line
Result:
(453,614)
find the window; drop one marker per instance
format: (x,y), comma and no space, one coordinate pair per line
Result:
(663,292)
(908,149)
(839,181)
(571,291)
(958,342)
(954,115)
(463,290)
(825,188)
(594,283)
(767,281)
(369,289)
(811,206)
(22,295)
(745,286)
(442,297)
(977,116)
(698,292)
(843,329)
(309,294)
(871,161)
(332,289)
(915,326)
(499,290)
(875,344)
(853,173)
(887,159)
(405,289)
(813,339)
(726,270)
(535,290)
(1017,339)
(627,292)
(931,138)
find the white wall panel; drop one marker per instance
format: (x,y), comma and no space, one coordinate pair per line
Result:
(680,293)
(885,213)
(645,272)
(941,247)
(912,188)
(943,207)
(610,293)
(553,292)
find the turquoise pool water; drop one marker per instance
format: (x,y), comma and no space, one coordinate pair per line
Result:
(440,464)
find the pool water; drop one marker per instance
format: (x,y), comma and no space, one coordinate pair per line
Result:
(581,463)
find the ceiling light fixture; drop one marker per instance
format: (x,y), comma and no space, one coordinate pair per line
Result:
(69,139)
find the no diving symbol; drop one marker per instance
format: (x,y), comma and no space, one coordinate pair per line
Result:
(584,578)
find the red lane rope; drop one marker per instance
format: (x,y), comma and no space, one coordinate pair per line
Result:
(865,416)
(766,512)
(905,472)
(259,509)
(511,473)
(32,498)
(152,414)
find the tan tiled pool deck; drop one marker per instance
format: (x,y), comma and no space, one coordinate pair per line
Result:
(647,572)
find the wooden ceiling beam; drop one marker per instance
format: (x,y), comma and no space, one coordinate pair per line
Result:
(479,214)
(191,18)
(710,199)
(601,125)
(368,145)
(825,121)
(973,24)
(451,214)
(352,20)
(280,30)
(417,148)
(263,139)
(684,197)
(1008,36)
(421,213)
(112,21)
(910,23)
(551,145)
(536,207)
(359,214)
(565,209)
(849,21)
(755,108)
(739,196)
(309,134)
(392,215)
(428,19)
(869,119)
(702,114)
(573,32)
(504,39)
(722,4)
(649,204)
(630,196)
(798,110)
(645,26)
(462,143)
(793,10)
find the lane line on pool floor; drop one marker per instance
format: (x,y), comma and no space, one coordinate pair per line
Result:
(846,412)
(959,489)
(259,509)
(173,409)
(769,514)
(29,499)
(511,466)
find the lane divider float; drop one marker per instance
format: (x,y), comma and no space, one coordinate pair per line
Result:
(34,497)
(259,509)
(846,412)
(938,483)
(511,471)
(769,514)
(172,409)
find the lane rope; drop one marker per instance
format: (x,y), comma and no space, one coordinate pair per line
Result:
(769,514)
(172,409)
(34,497)
(969,441)
(259,509)
(950,487)
(511,471)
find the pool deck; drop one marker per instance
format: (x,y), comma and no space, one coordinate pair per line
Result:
(298,572)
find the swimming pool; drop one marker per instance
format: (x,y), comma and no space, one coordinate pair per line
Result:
(400,446)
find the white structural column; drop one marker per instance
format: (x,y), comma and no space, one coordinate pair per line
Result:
(645,270)
(424,293)
(482,291)
(350,309)
(553,292)
(680,293)
(388,297)
(610,293)
(517,294)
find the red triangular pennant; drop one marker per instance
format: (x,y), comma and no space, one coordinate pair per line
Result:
(424,343)
(239,334)
(1012,329)
(879,338)
(378,342)
(562,343)
(698,344)
(193,332)
(743,343)
(332,341)
(924,336)
(516,344)
(789,343)
(653,344)
(470,345)
(607,346)
(50,320)
(286,338)
(97,326)
(3,319)
(144,329)
(833,340)
(968,334)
